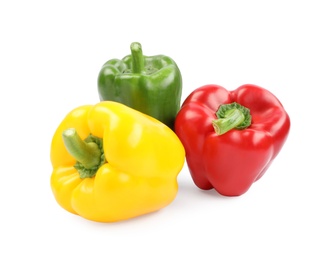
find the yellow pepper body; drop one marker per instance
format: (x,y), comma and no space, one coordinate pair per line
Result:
(142,159)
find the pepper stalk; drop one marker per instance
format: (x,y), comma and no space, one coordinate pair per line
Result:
(231,116)
(138,60)
(89,153)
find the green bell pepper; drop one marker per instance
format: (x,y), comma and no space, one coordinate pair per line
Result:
(150,84)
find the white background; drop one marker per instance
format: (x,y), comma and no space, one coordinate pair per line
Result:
(50,56)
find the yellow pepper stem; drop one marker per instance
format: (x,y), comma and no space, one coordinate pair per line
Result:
(88,153)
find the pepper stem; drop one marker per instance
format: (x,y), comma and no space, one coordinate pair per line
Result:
(86,153)
(138,60)
(231,116)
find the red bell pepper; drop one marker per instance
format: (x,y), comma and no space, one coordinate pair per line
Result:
(231,137)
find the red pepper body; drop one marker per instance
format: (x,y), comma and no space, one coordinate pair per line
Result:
(232,162)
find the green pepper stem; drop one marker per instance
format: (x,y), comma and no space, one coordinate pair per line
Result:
(230,116)
(87,153)
(232,119)
(138,60)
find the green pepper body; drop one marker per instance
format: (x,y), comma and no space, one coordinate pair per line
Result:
(150,84)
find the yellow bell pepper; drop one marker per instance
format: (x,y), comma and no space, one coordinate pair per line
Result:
(111,163)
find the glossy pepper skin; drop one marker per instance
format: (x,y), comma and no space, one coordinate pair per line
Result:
(127,168)
(231,162)
(150,84)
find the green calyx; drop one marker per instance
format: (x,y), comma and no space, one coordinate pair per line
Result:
(139,64)
(231,116)
(89,153)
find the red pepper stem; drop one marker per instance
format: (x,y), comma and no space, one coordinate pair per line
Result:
(87,153)
(232,119)
(138,60)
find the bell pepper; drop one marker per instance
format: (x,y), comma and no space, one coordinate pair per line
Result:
(231,137)
(150,84)
(111,162)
